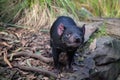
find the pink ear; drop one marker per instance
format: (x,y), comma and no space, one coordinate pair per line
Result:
(60,29)
(83,29)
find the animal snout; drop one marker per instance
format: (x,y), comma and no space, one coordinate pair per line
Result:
(77,40)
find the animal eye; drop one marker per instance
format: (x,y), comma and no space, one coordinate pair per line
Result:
(68,35)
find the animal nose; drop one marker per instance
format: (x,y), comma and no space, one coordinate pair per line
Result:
(77,40)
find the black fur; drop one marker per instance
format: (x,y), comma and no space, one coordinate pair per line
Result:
(71,38)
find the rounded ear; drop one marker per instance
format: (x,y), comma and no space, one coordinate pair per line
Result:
(83,29)
(60,29)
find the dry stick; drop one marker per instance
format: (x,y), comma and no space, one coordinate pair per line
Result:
(33,69)
(31,55)
(6,59)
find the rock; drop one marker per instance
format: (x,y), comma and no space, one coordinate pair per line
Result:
(113,30)
(90,28)
(92,46)
(107,51)
(107,72)
(107,59)
(118,77)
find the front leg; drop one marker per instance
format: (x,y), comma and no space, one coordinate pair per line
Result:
(56,53)
(70,55)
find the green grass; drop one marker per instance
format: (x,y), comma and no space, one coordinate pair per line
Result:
(101,8)
(37,13)
(102,31)
(34,13)
(10,9)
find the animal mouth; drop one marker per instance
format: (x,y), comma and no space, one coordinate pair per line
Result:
(73,44)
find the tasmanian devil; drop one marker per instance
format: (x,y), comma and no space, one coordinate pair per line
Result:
(65,36)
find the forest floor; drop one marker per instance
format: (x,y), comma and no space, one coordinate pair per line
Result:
(22,47)
(26,55)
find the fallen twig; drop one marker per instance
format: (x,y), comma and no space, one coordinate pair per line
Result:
(34,69)
(6,59)
(31,55)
